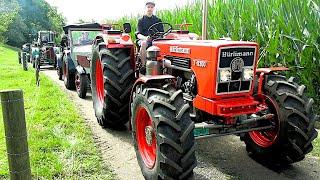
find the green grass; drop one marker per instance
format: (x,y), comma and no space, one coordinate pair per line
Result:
(61,145)
(316,146)
(287,30)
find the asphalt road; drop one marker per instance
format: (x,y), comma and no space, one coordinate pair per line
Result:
(218,158)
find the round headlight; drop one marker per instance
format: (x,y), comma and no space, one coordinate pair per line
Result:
(247,74)
(225,75)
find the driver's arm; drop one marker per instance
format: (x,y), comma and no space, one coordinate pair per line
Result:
(142,37)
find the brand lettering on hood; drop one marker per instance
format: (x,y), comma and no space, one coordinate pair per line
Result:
(177,49)
(237,54)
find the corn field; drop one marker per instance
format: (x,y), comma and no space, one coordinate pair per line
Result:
(288,31)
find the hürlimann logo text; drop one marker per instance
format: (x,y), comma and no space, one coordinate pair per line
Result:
(237,54)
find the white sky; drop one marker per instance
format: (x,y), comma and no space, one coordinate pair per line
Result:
(98,10)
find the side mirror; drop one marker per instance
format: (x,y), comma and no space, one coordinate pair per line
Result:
(127,27)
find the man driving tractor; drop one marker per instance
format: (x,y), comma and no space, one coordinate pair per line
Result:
(146,21)
(84,39)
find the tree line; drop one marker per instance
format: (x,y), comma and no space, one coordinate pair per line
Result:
(22,19)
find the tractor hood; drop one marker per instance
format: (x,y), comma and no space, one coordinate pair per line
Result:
(208,58)
(204,43)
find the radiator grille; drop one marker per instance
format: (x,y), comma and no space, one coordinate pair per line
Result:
(179,61)
(226,57)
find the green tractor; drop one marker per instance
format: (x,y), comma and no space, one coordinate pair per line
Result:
(44,49)
(24,55)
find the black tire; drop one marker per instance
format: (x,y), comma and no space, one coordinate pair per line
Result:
(33,63)
(68,77)
(81,82)
(19,57)
(24,61)
(295,123)
(55,63)
(60,73)
(173,128)
(118,79)
(28,58)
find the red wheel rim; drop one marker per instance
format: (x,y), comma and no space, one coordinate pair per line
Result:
(78,82)
(99,82)
(267,138)
(146,139)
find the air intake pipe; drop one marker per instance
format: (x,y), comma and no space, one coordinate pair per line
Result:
(153,66)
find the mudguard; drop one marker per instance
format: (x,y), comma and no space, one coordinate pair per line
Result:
(262,72)
(145,80)
(150,79)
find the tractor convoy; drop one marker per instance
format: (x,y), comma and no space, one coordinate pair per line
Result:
(175,88)
(42,49)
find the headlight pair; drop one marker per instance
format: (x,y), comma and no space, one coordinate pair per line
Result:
(225,75)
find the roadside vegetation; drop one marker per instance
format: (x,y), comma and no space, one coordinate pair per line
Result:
(21,20)
(61,145)
(287,31)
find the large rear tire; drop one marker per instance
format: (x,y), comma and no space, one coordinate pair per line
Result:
(162,132)
(112,78)
(294,118)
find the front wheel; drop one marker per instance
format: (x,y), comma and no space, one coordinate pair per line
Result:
(60,73)
(294,121)
(81,82)
(19,57)
(68,78)
(24,61)
(162,132)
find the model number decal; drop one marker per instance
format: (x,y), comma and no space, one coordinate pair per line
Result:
(177,49)
(200,63)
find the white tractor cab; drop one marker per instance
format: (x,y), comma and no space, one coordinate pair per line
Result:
(74,62)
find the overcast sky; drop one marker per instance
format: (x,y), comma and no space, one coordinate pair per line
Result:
(98,10)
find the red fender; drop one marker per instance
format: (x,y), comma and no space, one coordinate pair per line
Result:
(262,72)
(145,80)
(148,79)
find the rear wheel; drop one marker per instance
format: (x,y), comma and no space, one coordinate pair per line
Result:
(68,78)
(24,61)
(294,120)
(60,73)
(162,132)
(19,57)
(112,79)
(81,82)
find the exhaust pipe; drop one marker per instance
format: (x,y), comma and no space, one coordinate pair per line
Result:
(204,20)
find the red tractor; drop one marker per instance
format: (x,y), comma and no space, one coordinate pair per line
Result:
(186,89)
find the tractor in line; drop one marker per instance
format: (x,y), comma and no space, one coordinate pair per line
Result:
(179,89)
(44,49)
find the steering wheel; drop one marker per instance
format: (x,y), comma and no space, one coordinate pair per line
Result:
(155,33)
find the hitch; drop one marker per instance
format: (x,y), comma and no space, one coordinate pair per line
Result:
(205,130)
